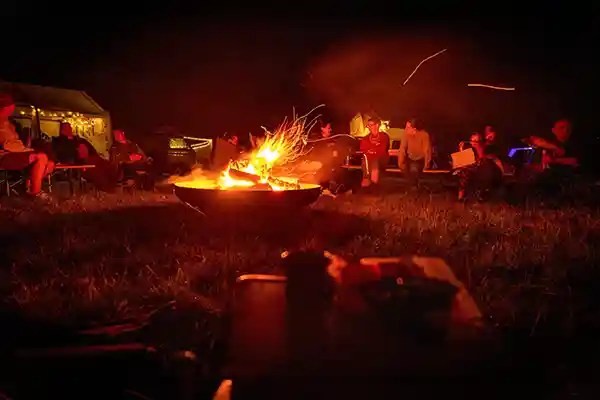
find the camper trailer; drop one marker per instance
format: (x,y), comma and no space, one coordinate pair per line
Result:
(39,110)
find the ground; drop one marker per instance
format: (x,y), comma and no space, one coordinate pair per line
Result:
(98,258)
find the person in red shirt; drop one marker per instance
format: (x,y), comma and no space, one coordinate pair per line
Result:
(375,147)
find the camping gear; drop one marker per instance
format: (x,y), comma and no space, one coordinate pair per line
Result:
(262,346)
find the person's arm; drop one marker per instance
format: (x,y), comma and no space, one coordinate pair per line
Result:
(498,164)
(402,152)
(365,145)
(386,145)
(543,143)
(427,150)
(139,151)
(571,161)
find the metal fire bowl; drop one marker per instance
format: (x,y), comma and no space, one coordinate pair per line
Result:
(246,199)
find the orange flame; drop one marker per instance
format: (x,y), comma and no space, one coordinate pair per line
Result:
(281,147)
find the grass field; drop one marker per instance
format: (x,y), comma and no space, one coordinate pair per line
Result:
(96,259)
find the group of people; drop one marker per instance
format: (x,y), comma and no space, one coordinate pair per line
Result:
(556,164)
(414,154)
(38,160)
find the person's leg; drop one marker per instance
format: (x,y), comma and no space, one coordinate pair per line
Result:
(38,170)
(377,167)
(418,165)
(463,182)
(49,168)
(366,171)
(407,171)
(382,166)
(412,172)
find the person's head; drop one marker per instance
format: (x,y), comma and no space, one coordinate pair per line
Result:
(66,129)
(373,124)
(325,128)
(477,143)
(475,139)
(412,126)
(7,105)
(119,136)
(490,133)
(562,129)
(233,139)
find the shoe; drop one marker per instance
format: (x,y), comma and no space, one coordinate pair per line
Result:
(43,196)
(328,192)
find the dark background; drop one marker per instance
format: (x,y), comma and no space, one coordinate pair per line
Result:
(207,71)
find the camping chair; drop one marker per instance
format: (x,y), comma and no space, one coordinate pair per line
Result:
(10,181)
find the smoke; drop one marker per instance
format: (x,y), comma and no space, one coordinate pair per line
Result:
(366,74)
(196,174)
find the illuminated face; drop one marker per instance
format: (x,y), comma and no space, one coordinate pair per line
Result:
(326,130)
(475,139)
(490,134)
(119,136)
(234,140)
(373,127)
(7,111)
(562,130)
(410,129)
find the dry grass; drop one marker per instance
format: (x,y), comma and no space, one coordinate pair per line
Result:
(95,259)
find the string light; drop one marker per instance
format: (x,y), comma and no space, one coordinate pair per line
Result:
(81,124)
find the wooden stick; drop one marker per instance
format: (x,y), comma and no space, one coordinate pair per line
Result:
(244,176)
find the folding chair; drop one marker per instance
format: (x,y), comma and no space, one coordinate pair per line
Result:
(10,180)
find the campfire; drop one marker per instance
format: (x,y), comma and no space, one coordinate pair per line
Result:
(266,168)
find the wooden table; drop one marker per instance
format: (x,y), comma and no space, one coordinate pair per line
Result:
(73,173)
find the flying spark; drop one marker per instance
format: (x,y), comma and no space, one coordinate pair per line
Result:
(427,59)
(491,87)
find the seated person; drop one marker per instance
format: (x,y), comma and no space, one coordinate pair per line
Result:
(15,156)
(331,151)
(560,157)
(224,150)
(491,143)
(129,159)
(69,149)
(415,152)
(257,140)
(483,176)
(375,147)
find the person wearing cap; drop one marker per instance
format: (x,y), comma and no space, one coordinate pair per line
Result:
(15,156)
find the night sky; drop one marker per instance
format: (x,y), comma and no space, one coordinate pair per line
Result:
(213,72)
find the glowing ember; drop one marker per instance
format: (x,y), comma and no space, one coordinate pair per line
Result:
(255,171)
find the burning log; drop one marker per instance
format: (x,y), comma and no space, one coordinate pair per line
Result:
(244,176)
(258,186)
(283,184)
